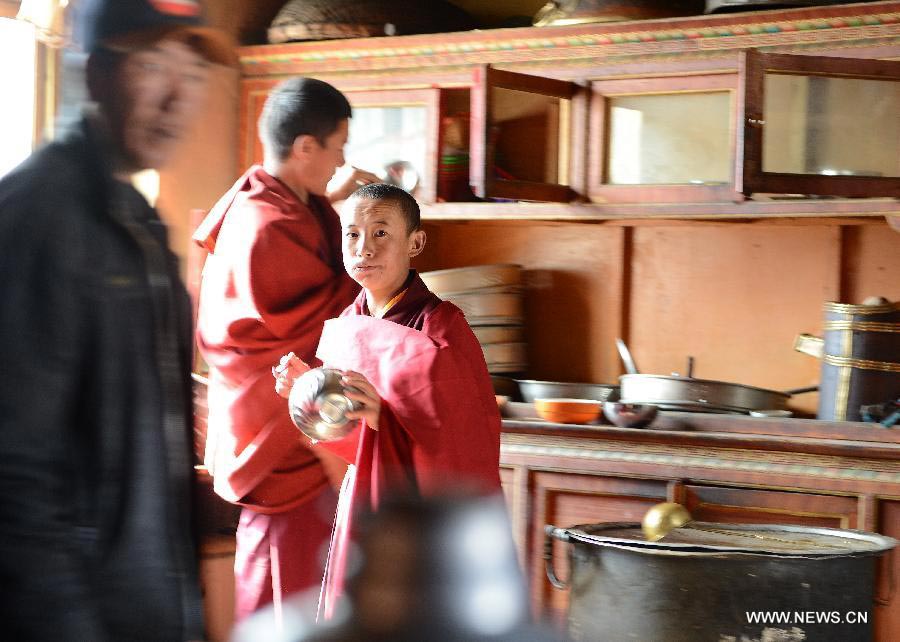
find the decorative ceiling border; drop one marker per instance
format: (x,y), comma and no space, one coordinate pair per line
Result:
(838,24)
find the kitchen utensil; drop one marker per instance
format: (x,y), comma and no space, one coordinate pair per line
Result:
(622,586)
(568,411)
(861,358)
(629,415)
(627,359)
(532,389)
(696,395)
(727,6)
(488,334)
(574,12)
(328,19)
(402,174)
(474,277)
(661,519)
(489,309)
(700,395)
(506,386)
(318,405)
(504,357)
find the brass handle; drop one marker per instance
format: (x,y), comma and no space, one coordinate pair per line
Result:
(808,344)
(756,122)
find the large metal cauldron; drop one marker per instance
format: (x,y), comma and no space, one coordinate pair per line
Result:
(711,582)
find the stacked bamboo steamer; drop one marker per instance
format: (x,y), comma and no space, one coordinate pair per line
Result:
(491,298)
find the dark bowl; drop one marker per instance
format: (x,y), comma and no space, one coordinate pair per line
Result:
(629,415)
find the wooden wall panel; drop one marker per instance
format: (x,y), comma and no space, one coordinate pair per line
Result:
(733,297)
(573,276)
(887,593)
(871,263)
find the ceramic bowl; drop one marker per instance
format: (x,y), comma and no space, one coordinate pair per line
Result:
(568,411)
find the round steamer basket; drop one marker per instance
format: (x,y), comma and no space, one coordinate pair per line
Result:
(474,277)
(488,334)
(700,581)
(490,309)
(501,357)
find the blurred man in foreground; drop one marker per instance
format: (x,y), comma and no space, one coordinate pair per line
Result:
(95,419)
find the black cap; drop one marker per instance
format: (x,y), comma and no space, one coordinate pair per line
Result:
(127,25)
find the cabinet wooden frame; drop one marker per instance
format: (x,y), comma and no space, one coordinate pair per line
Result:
(750,177)
(256,91)
(481,153)
(602,93)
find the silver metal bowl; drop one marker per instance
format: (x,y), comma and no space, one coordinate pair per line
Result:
(629,415)
(318,405)
(531,389)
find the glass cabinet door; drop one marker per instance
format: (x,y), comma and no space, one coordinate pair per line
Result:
(820,125)
(662,139)
(522,133)
(393,134)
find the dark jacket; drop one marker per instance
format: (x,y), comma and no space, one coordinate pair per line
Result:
(95,422)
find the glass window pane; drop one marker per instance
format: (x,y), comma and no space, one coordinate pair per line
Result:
(529,134)
(820,125)
(17,74)
(670,139)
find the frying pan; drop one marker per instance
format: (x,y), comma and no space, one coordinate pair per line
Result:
(674,392)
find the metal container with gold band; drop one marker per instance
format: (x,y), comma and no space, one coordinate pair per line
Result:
(861,359)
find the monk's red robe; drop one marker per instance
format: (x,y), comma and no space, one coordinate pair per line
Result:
(439,428)
(272,278)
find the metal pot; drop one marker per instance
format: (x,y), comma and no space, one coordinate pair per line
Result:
(701,583)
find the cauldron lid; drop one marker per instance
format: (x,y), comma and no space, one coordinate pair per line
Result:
(699,538)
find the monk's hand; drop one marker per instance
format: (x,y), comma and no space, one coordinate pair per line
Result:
(365,396)
(289,368)
(347,180)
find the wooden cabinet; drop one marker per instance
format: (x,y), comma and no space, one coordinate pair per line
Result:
(670,256)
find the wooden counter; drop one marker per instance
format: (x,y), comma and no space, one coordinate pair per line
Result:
(724,468)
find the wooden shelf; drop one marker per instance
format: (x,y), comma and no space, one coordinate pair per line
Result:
(842,211)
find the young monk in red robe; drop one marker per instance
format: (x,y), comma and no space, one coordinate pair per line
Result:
(430,422)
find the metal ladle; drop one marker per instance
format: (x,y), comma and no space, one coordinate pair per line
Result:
(662,519)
